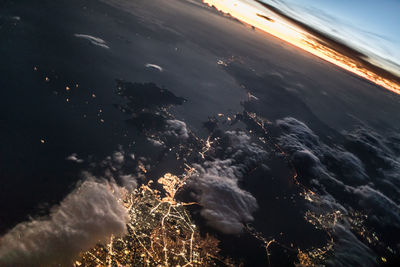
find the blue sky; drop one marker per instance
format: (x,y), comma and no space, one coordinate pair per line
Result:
(373,27)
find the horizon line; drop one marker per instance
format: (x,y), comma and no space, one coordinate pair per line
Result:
(308,39)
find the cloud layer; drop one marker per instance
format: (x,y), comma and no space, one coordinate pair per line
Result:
(361,174)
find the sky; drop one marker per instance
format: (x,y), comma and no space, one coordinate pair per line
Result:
(371,26)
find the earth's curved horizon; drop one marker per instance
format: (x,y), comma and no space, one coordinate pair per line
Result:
(262,152)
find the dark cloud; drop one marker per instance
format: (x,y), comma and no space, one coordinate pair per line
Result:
(297,135)
(118,157)
(349,251)
(384,210)
(113,168)
(313,157)
(381,157)
(362,174)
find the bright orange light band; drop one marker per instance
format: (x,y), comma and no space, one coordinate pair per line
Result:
(294,35)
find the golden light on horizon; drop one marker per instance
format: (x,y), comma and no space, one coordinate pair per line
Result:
(253,15)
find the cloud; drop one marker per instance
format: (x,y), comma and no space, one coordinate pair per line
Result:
(368,159)
(118,157)
(177,128)
(381,151)
(93,40)
(362,174)
(113,168)
(241,148)
(349,251)
(385,211)
(154,66)
(155,142)
(297,135)
(225,205)
(74,157)
(382,157)
(88,215)
(128,181)
(313,157)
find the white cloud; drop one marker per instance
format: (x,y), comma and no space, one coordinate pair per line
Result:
(93,40)
(154,66)
(88,215)
(225,205)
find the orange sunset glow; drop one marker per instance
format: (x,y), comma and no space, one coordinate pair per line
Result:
(272,23)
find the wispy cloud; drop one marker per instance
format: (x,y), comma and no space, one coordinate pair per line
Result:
(93,40)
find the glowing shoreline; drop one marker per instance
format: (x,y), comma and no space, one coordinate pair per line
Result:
(294,35)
